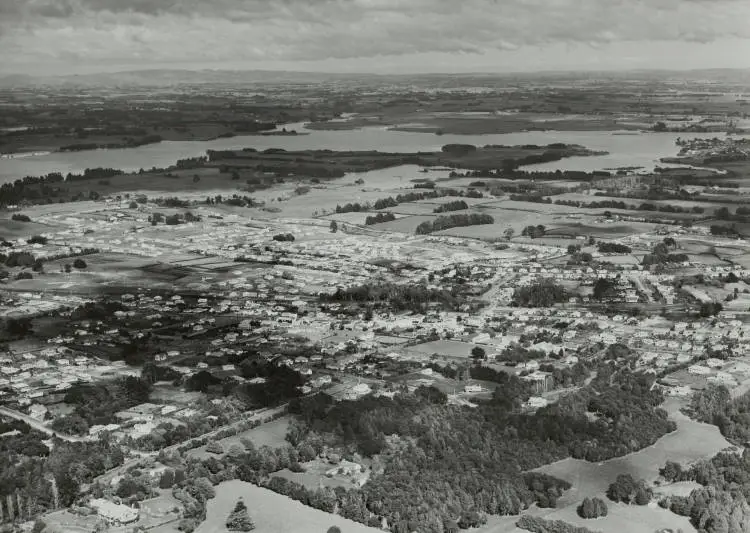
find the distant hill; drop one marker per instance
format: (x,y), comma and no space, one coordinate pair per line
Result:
(173,77)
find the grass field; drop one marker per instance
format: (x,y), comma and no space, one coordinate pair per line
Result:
(404,225)
(444,347)
(621,519)
(587,198)
(271,512)
(614,230)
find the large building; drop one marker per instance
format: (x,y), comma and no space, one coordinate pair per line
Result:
(114,513)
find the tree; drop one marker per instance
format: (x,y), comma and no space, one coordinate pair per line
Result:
(626,489)
(334,529)
(477,352)
(167,479)
(642,496)
(708,309)
(79,263)
(592,508)
(672,471)
(187,525)
(214,447)
(508,233)
(239,519)
(334,226)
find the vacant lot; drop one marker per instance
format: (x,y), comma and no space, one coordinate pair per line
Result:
(271,512)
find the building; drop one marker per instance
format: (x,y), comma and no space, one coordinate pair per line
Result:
(114,513)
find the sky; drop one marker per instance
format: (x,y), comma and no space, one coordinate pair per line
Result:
(380,36)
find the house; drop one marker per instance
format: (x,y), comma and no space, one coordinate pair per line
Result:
(536,402)
(113,513)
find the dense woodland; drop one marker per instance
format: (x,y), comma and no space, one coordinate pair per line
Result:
(536,524)
(35,477)
(398,297)
(715,405)
(721,504)
(544,293)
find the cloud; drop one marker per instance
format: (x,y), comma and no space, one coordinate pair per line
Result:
(308,30)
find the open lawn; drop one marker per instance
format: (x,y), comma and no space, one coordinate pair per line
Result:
(271,512)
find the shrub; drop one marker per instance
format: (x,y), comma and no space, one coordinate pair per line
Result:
(79,263)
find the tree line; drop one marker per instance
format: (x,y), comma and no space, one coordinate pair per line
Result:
(453,221)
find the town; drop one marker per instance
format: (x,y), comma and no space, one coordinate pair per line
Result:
(545,331)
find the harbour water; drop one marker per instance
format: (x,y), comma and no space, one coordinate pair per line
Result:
(640,150)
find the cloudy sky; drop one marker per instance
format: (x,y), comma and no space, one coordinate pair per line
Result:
(78,36)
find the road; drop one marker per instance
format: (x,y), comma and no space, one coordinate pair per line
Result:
(262,413)
(36,424)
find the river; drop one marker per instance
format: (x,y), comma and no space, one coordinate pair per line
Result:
(625,150)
